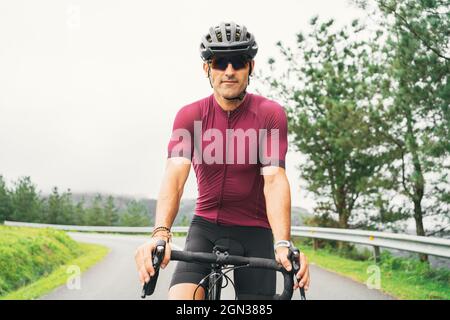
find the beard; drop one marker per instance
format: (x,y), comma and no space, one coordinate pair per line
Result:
(232,93)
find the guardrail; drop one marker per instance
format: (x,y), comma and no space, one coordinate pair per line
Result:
(427,245)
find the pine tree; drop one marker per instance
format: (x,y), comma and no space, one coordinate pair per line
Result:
(5,201)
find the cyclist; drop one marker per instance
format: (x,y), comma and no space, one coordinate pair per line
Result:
(243,203)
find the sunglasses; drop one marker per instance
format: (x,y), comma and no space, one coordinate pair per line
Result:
(221,63)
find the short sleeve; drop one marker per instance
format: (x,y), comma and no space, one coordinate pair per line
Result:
(181,142)
(273,140)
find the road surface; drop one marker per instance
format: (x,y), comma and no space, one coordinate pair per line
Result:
(115,277)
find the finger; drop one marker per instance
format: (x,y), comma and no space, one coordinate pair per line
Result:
(303,269)
(148,260)
(301,274)
(144,273)
(303,278)
(141,277)
(307,285)
(138,259)
(308,281)
(277,258)
(144,277)
(166,259)
(286,264)
(140,266)
(303,265)
(303,259)
(282,257)
(296,282)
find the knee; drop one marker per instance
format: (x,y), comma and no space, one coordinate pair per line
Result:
(186,291)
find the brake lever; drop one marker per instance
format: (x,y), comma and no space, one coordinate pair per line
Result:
(157,258)
(295,260)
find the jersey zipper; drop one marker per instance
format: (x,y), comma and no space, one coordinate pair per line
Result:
(224,167)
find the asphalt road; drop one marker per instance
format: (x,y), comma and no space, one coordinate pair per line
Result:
(115,277)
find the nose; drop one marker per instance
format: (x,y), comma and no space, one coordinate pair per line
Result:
(229,70)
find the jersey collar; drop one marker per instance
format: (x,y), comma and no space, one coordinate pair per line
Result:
(236,111)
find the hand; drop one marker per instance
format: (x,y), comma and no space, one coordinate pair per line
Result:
(281,255)
(303,274)
(143,258)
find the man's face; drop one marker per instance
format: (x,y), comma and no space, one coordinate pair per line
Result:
(231,81)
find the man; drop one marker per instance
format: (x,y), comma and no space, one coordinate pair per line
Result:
(236,143)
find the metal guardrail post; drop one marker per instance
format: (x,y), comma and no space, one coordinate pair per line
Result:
(376,253)
(315,244)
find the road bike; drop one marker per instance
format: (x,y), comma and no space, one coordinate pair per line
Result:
(222,263)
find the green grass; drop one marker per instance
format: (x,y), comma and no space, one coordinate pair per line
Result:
(28,255)
(401,278)
(91,254)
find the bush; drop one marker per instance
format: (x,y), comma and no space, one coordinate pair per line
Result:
(27,254)
(414,268)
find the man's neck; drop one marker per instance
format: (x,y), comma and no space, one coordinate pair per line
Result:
(227,105)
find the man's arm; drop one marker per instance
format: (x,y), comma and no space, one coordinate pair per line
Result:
(168,203)
(278,202)
(179,157)
(278,206)
(175,176)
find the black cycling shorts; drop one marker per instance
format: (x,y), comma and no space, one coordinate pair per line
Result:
(251,283)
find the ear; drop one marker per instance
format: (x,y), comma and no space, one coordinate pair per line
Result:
(252,67)
(205,68)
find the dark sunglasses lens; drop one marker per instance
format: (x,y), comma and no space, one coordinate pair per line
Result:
(219,63)
(238,62)
(222,63)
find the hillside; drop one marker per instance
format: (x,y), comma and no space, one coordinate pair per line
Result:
(26,254)
(186,210)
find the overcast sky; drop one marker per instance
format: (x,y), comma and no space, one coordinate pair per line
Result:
(89,89)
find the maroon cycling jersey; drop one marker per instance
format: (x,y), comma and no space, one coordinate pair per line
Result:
(228,150)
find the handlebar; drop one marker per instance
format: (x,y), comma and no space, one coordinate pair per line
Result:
(225,259)
(202,257)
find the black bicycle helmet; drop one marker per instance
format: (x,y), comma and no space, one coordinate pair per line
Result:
(228,39)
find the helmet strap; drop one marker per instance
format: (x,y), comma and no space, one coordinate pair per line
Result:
(209,74)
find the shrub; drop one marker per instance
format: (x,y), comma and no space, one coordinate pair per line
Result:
(27,254)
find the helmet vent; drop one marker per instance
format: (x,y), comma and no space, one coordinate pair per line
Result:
(219,36)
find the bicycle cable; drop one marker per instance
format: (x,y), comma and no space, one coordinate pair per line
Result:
(200,284)
(224,274)
(232,283)
(215,282)
(234,287)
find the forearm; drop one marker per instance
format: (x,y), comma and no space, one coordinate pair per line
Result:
(170,193)
(278,207)
(167,207)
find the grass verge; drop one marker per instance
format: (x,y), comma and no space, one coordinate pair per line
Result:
(90,255)
(402,278)
(30,255)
